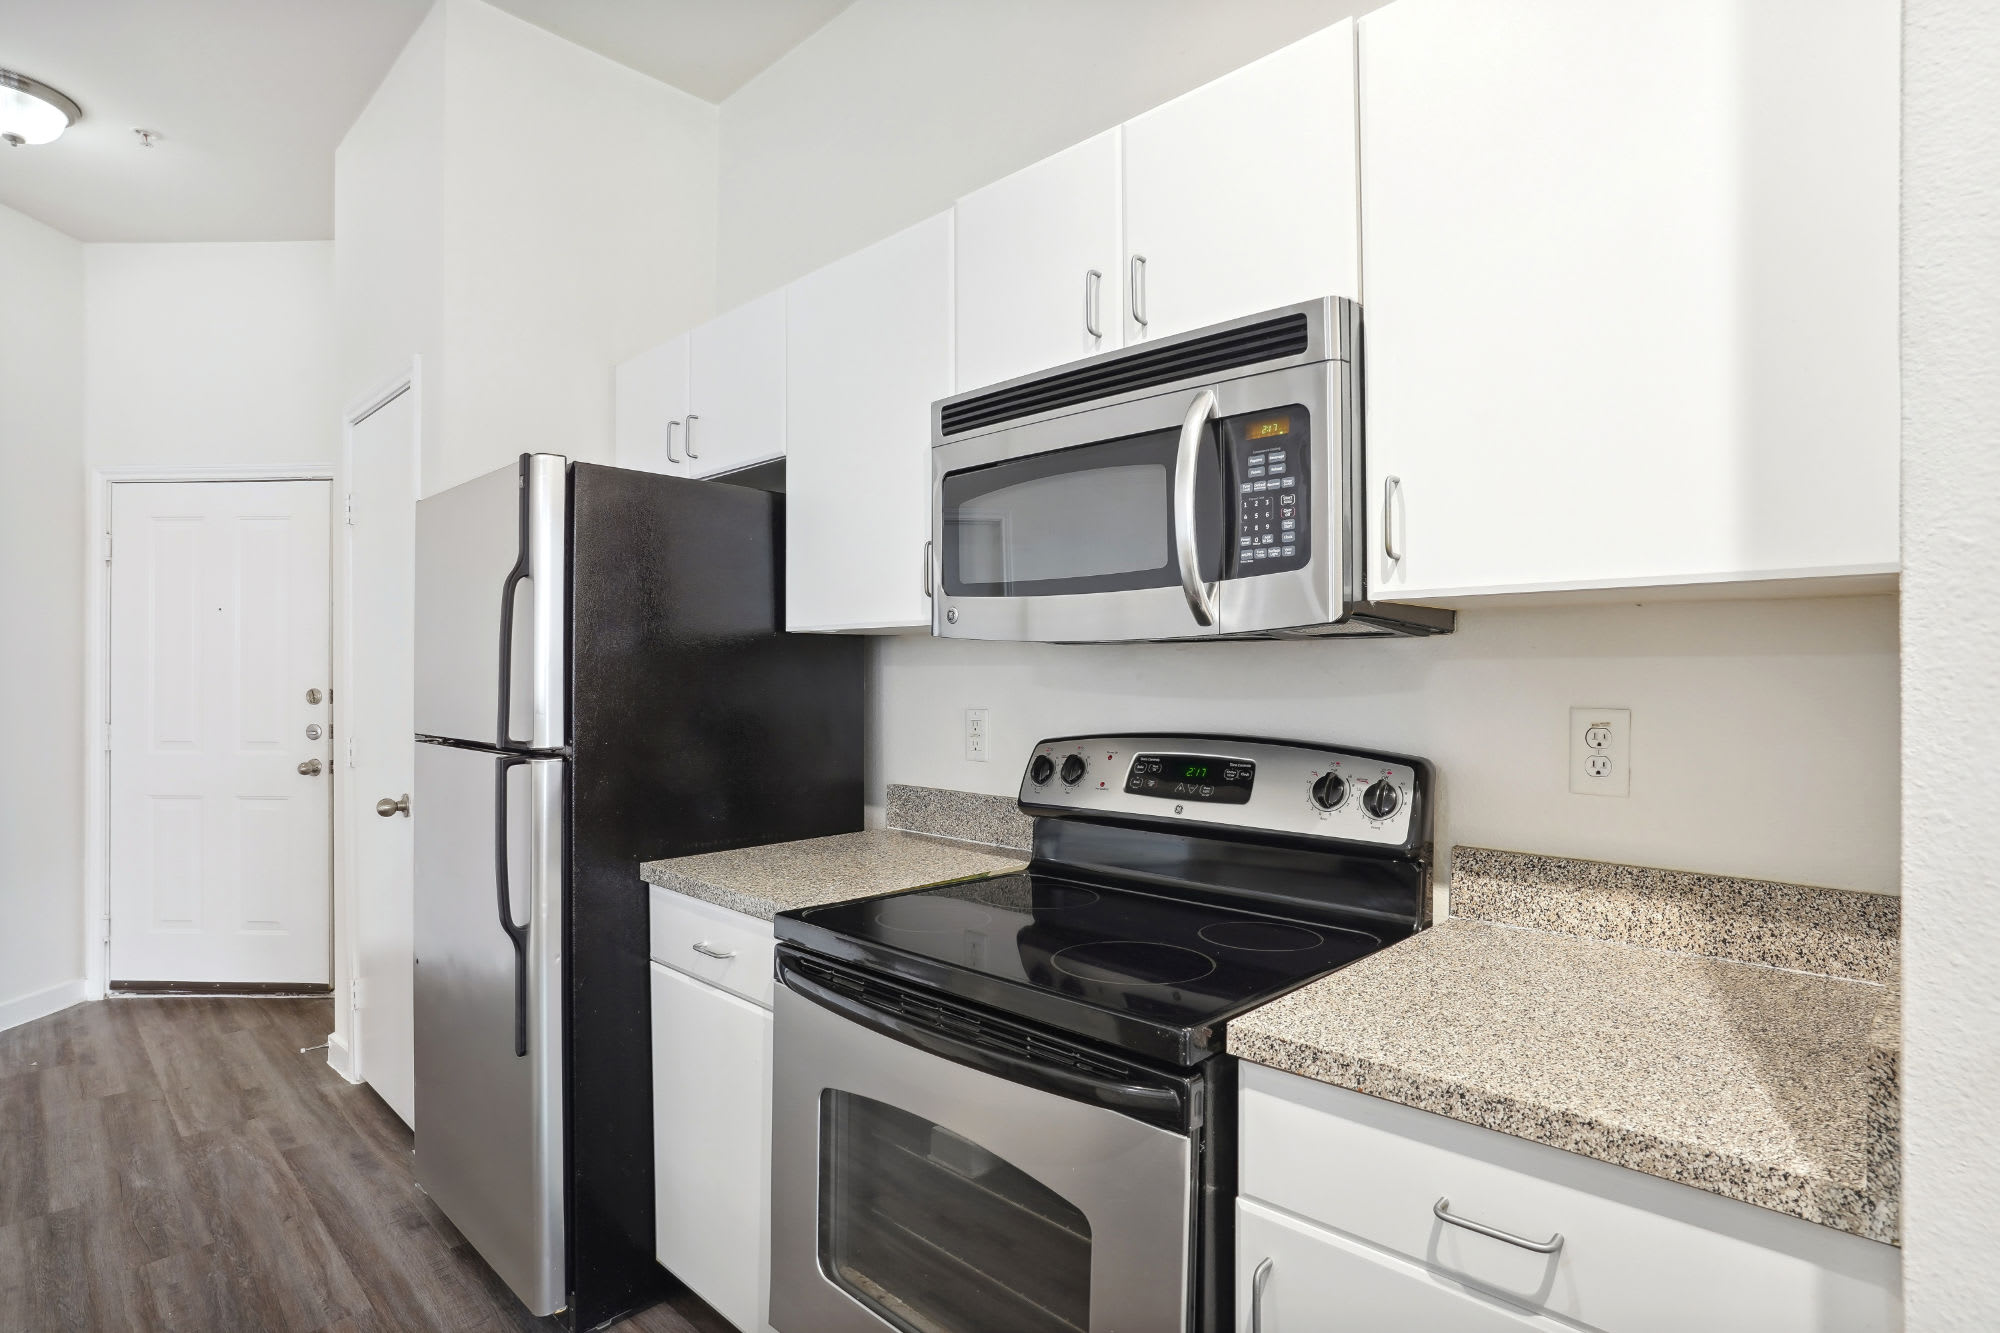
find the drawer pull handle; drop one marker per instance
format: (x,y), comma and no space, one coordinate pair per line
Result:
(1441,1210)
(1257,1281)
(708,950)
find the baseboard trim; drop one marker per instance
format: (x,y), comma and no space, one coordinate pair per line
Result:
(339,1058)
(264,989)
(40,1004)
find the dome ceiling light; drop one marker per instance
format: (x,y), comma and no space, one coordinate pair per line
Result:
(31,112)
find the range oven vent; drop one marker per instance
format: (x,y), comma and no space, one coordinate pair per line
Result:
(1141,368)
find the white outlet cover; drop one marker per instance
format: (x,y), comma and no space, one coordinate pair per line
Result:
(978,735)
(1600,751)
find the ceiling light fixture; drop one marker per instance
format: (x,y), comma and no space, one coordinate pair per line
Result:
(31,112)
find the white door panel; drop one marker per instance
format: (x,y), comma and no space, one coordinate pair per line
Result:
(651,409)
(219,627)
(736,389)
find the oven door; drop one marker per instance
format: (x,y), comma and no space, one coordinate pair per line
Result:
(1149,519)
(926,1181)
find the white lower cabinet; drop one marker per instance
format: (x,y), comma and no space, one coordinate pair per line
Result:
(712,1144)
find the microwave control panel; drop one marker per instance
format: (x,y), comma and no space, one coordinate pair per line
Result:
(1272,452)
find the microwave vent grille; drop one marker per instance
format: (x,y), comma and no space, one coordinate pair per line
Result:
(1247,345)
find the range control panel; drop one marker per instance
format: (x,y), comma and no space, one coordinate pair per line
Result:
(1264,786)
(1272,452)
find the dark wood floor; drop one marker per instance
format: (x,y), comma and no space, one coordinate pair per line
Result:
(170,1164)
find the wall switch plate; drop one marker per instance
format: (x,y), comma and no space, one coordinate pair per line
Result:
(1600,751)
(975,734)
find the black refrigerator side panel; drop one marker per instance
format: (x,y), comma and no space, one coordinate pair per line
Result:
(697,725)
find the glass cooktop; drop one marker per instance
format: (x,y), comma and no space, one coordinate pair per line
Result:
(1153,974)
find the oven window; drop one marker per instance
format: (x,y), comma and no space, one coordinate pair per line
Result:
(937,1235)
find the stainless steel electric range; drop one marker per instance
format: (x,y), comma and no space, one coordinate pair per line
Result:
(1004,1104)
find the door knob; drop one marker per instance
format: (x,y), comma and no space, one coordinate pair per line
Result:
(386,807)
(310,768)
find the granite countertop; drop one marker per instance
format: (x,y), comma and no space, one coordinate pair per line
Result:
(763,881)
(1775,1087)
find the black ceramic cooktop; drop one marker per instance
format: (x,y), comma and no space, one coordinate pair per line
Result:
(1153,974)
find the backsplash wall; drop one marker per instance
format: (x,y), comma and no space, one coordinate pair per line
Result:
(1764,733)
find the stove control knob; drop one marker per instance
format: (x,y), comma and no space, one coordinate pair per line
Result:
(1040,769)
(1381,799)
(1329,791)
(1072,769)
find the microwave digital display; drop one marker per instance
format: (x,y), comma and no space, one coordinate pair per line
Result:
(1192,777)
(1267,428)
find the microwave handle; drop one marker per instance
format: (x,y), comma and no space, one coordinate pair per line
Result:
(1200,596)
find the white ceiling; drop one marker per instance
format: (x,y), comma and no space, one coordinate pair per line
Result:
(251,96)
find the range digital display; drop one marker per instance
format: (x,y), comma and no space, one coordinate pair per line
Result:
(1192,777)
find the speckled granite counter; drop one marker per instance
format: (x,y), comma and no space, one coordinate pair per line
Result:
(763,881)
(1773,1087)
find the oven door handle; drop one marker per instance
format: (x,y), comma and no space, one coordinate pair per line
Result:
(1155,1105)
(1187,550)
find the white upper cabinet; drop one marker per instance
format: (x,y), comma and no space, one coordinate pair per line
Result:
(1631,292)
(1240,195)
(651,409)
(736,388)
(870,350)
(1039,274)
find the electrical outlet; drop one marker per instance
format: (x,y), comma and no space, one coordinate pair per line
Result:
(975,734)
(1600,751)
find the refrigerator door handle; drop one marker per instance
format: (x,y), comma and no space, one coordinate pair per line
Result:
(518,935)
(513,581)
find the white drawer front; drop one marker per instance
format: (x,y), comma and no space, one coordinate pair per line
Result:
(721,947)
(1638,1255)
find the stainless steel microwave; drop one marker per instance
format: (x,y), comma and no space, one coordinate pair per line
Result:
(1196,487)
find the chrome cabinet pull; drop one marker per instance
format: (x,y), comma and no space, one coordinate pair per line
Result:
(928,576)
(692,418)
(1137,282)
(1392,526)
(672,457)
(1200,596)
(708,950)
(1093,283)
(388,806)
(1441,1210)
(1257,1281)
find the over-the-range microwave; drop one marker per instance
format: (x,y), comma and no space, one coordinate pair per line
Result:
(1194,487)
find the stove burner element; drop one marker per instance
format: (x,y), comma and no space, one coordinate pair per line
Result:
(923,915)
(1132,963)
(1261,936)
(1063,897)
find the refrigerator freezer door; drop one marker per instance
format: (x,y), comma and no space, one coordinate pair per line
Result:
(489,874)
(492,588)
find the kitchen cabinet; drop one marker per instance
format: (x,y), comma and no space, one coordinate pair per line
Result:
(869,340)
(1637,1254)
(651,407)
(1631,293)
(736,388)
(1038,271)
(1240,195)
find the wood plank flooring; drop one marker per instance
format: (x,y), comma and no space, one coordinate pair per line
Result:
(177,1164)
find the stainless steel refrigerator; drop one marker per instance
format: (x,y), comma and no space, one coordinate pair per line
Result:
(602,679)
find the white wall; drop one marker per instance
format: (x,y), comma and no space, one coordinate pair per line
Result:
(41,607)
(1951,663)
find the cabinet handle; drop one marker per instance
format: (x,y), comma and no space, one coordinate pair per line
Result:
(692,418)
(672,457)
(1093,283)
(1137,283)
(928,588)
(1392,526)
(707,950)
(1257,1281)
(1441,1210)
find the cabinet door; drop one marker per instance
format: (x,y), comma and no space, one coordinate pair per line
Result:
(651,409)
(1630,292)
(1240,196)
(736,388)
(1319,1282)
(712,1144)
(1038,265)
(870,341)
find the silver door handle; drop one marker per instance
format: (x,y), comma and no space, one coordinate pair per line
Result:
(928,577)
(1441,1210)
(311,768)
(707,950)
(671,456)
(400,806)
(1136,282)
(692,418)
(1257,1281)
(1200,596)
(1093,282)
(1392,527)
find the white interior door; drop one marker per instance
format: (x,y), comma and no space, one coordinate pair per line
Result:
(380,748)
(220,810)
